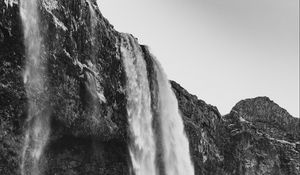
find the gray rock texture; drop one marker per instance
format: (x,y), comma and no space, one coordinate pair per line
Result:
(89,128)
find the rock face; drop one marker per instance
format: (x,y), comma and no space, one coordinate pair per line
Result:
(263,138)
(257,137)
(89,128)
(88,116)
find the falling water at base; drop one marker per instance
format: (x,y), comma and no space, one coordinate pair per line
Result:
(176,154)
(37,124)
(142,148)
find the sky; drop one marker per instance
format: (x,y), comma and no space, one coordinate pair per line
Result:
(223,51)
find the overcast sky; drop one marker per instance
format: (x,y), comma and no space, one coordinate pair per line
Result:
(220,50)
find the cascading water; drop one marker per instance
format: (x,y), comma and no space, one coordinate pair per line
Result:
(37,132)
(142,148)
(93,21)
(175,147)
(93,14)
(175,143)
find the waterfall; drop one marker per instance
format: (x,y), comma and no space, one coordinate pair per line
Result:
(37,130)
(175,143)
(176,156)
(142,148)
(93,21)
(93,14)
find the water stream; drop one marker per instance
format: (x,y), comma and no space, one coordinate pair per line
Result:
(142,148)
(175,143)
(37,124)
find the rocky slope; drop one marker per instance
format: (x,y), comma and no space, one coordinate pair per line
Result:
(79,44)
(263,138)
(257,137)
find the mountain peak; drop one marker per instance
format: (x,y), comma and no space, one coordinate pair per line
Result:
(269,116)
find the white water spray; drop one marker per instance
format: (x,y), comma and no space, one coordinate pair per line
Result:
(93,14)
(93,21)
(175,143)
(142,148)
(37,132)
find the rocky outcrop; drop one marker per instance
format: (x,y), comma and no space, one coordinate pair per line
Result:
(262,138)
(89,129)
(201,123)
(257,137)
(269,117)
(85,80)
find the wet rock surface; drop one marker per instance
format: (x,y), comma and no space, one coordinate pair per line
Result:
(86,81)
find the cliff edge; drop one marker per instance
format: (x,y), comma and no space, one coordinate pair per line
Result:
(257,137)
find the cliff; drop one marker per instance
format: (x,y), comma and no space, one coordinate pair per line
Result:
(256,137)
(84,67)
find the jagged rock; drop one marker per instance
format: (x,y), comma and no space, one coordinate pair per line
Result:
(269,117)
(81,53)
(261,139)
(257,137)
(201,123)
